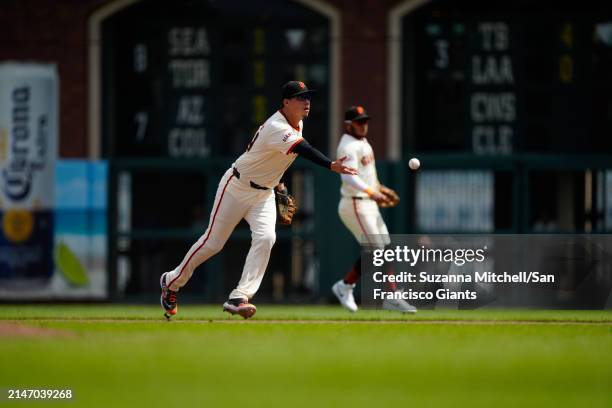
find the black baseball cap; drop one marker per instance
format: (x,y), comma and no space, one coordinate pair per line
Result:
(355,113)
(296,88)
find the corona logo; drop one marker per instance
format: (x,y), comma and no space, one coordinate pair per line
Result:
(3,144)
(17,174)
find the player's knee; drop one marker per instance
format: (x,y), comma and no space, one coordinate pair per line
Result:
(214,246)
(266,239)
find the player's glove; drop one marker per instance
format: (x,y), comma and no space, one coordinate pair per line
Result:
(392,198)
(285,205)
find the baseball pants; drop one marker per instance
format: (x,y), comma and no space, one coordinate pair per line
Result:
(363,219)
(234,201)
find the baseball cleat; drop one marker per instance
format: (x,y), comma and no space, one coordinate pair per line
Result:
(240,306)
(399,305)
(167,298)
(344,293)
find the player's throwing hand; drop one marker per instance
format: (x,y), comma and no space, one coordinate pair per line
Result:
(340,168)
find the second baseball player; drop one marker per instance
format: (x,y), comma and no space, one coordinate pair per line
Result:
(361,195)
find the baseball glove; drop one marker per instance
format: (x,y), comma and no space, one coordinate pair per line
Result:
(392,198)
(285,205)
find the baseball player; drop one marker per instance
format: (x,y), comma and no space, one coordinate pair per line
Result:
(361,196)
(246,191)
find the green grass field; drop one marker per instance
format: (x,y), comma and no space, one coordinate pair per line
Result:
(117,355)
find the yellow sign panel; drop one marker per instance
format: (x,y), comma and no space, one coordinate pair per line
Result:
(17,225)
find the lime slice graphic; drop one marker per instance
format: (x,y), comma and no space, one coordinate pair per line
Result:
(70,266)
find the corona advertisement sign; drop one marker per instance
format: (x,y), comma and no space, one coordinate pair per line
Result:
(28,151)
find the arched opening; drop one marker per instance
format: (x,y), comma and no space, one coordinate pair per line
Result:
(182,89)
(196,80)
(507,89)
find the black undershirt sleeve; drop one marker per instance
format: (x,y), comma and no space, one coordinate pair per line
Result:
(305,150)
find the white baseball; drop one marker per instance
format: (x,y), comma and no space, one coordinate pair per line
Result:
(414,163)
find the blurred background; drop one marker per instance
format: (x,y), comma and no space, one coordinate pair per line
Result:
(118,118)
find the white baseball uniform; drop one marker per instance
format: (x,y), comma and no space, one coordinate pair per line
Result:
(246,191)
(357,211)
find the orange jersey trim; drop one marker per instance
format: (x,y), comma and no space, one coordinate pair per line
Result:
(297,142)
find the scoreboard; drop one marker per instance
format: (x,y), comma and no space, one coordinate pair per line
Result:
(495,78)
(195,79)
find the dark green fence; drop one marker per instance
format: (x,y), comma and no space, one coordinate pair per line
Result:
(317,250)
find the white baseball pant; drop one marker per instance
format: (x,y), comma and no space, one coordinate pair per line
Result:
(363,219)
(235,200)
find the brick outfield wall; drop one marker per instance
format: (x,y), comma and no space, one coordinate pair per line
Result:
(364,63)
(56,31)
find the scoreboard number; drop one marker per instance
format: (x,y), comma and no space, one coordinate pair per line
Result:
(442,59)
(141,119)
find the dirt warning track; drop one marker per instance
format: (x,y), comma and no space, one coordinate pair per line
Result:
(10,329)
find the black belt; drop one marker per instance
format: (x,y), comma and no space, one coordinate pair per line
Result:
(253,185)
(360,198)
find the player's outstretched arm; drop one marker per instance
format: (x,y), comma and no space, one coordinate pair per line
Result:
(305,150)
(356,181)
